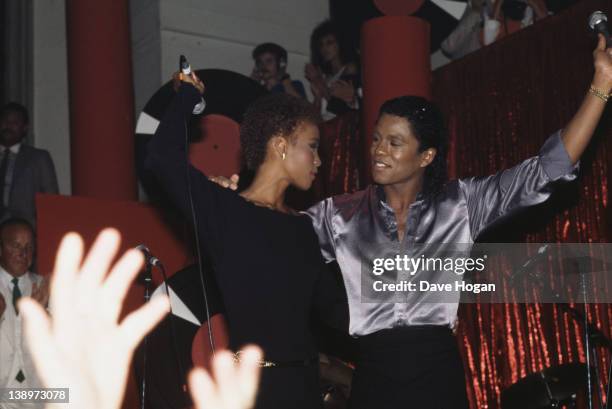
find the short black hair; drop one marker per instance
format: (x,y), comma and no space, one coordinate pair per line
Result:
(268,116)
(279,52)
(18,108)
(15,221)
(427,124)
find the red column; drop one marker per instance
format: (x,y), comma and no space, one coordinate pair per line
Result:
(101,99)
(395,61)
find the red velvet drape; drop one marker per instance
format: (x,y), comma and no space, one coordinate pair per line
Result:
(342,156)
(501,103)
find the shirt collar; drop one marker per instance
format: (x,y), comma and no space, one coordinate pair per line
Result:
(382,198)
(386,213)
(7,279)
(14,148)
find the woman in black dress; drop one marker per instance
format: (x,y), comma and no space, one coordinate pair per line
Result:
(265,256)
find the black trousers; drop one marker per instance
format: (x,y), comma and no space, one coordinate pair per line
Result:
(409,368)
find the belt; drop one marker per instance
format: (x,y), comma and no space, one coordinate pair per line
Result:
(280,364)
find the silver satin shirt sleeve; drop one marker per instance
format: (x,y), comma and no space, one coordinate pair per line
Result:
(351,227)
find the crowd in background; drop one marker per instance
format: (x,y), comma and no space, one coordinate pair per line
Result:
(333,71)
(486,21)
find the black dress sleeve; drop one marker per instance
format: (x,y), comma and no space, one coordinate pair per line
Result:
(166,159)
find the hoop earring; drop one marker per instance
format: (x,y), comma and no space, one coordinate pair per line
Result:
(284,155)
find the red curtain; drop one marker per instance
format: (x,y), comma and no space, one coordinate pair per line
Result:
(501,103)
(341,149)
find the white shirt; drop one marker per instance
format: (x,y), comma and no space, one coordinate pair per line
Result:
(13,148)
(14,355)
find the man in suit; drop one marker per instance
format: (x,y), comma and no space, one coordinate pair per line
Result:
(16,253)
(24,170)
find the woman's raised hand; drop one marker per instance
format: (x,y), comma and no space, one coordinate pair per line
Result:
(192,79)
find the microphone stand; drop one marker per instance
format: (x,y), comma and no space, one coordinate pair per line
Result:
(592,337)
(148,279)
(587,338)
(592,334)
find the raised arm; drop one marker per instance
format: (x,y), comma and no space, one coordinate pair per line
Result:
(166,158)
(578,132)
(166,155)
(495,197)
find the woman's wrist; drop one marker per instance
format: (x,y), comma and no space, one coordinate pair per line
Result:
(599,93)
(602,84)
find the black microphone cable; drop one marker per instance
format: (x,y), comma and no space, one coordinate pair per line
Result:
(197,237)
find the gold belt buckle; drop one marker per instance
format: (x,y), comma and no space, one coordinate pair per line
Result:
(260,363)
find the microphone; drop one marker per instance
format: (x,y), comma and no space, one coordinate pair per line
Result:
(598,23)
(185,69)
(184,65)
(149,257)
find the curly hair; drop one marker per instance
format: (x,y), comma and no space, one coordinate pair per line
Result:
(271,115)
(427,124)
(347,54)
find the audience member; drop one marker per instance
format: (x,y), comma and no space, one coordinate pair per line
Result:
(510,16)
(333,72)
(485,21)
(84,347)
(16,251)
(270,70)
(465,38)
(24,170)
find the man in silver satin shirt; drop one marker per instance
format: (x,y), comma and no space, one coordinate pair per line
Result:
(408,357)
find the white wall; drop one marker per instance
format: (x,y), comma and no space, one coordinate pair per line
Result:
(223,33)
(50,116)
(146,50)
